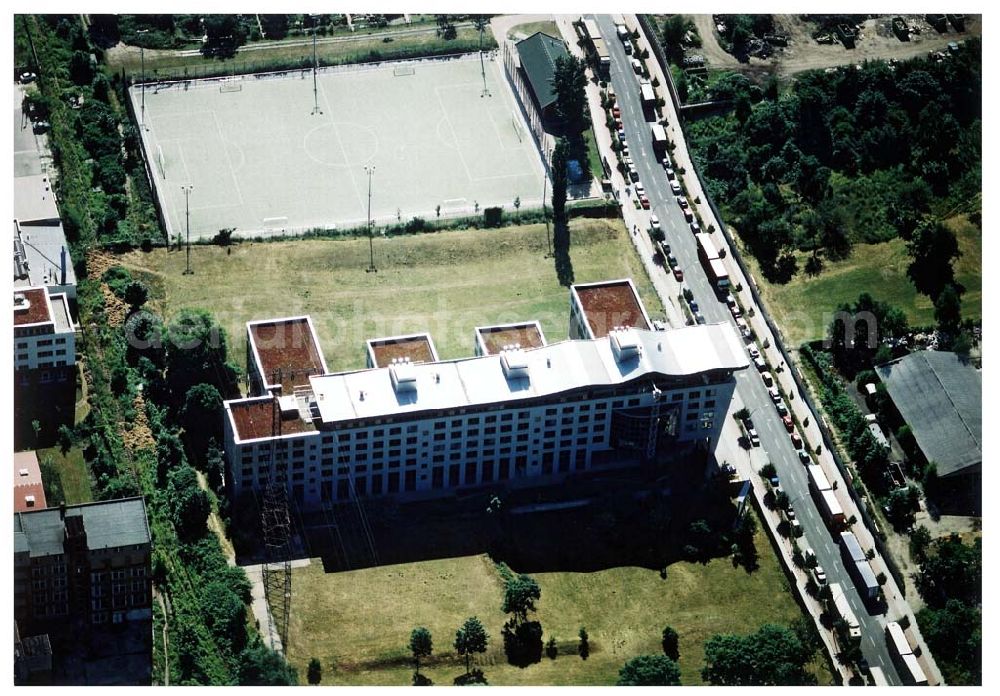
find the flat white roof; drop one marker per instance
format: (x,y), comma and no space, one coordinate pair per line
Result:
(34,199)
(551,369)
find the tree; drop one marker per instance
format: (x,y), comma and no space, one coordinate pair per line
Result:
(551,648)
(314,673)
(670,642)
(225,614)
(649,670)
(948,309)
(136,294)
(951,570)
(446,26)
(189,504)
(261,666)
(81,71)
(224,34)
(66,438)
(201,416)
(421,645)
(772,656)
(584,649)
(920,540)
(471,638)
(675,27)
(932,248)
(519,597)
(196,352)
(560,156)
(954,635)
(902,505)
(215,466)
(569,82)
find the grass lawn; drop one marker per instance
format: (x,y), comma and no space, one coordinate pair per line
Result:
(593,155)
(358,623)
(68,473)
(263,55)
(525,30)
(446,283)
(802,307)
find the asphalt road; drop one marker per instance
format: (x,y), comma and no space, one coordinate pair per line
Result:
(750,388)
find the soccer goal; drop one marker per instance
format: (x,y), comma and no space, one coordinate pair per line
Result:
(403,70)
(231,87)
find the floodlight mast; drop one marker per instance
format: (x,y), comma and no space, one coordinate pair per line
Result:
(370,171)
(142,87)
(187,189)
(316,109)
(481,21)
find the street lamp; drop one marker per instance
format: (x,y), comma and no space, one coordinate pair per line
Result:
(187,189)
(142,88)
(370,171)
(316,109)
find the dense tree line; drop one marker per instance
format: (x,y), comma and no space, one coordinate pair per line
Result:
(950,582)
(846,156)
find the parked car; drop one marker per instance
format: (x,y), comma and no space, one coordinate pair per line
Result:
(774,393)
(819,575)
(666,163)
(670,173)
(695,228)
(688,215)
(809,555)
(754,438)
(640,190)
(780,408)
(789,425)
(678,274)
(644,202)
(621,134)
(675,188)
(654,223)
(671,260)
(694,306)
(737,313)
(752,349)
(796,440)
(628,162)
(682,201)
(760,364)
(616,111)
(637,66)
(768,380)
(633,174)
(796,528)
(804,457)
(699,318)
(627,45)
(27,77)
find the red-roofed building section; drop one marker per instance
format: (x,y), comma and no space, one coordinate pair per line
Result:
(29,493)
(418,349)
(527,335)
(262,418)
(609,305)
(31,306)
(282,353)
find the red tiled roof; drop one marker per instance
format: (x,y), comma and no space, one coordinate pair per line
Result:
(262,418)
(496,337)
(416,348)
(38,308)
(609,305)
(288,354)
(21,494)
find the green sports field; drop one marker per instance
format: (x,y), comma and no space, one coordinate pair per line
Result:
(263,160)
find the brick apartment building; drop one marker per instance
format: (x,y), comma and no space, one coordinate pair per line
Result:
(82,565)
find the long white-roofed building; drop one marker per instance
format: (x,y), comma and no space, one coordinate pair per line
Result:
(428,428)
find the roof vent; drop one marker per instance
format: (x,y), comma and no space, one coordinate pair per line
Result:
(287,405)
(22,472)
(514,362)
(21,302)
(29,500)
(624,343)
(404,377)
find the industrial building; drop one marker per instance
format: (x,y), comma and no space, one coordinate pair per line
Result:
(538,54)
(411,424)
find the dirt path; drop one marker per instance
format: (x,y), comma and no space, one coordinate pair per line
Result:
(115,309)
(804,53)
(166,642)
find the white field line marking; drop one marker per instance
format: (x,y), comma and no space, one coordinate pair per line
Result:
(229,161)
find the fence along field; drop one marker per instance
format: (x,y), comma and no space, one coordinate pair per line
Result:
(261,161)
